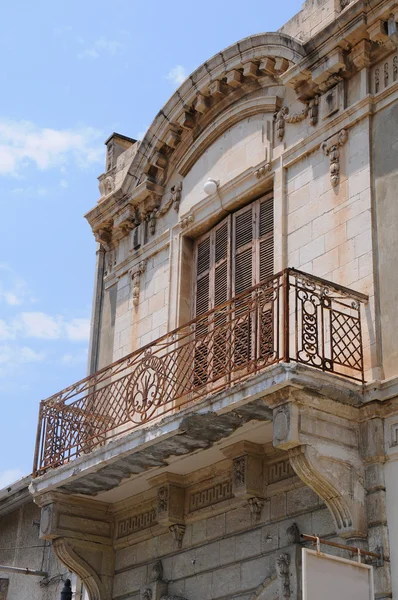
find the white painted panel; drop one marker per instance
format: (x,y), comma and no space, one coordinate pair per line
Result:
(330,577)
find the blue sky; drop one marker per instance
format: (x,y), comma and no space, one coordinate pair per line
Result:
(71,74)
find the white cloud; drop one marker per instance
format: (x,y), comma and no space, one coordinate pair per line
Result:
(23,142)
(39,325)
(177,75)
(9,476)
(75,358)
(99,48)
(13,290)
(13,356)
(78,330)
(63,183)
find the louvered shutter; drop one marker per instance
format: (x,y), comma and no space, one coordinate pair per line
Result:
(203,268)
(230,259)
(266,239)
(265,266)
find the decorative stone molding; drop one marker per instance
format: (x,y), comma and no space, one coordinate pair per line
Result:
(263,171)
(384,74)
(157,588)
(282,116)
(177,531)
(175,193)
(133,524)
(170,499)
(256,506)
(209,496)
(110,262)
(83,558)
(158,213)
(331,148)
(186,221)
(104,237)
(324,453)
(247,469)
(279,471)
(106,184)
(279,119)
(283,572)
(136,277)
(80,531)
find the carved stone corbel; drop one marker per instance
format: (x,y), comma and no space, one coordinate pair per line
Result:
(136,277)
(186,221)
(326,458)
(80,531)
(331,148)
(263,171)
(256,506)
(103,236)
(83,558)
(177,531)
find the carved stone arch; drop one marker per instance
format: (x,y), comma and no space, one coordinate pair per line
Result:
(76,555)
(255,56)
(238,111)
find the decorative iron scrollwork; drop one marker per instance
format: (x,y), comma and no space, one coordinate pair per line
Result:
(145,389)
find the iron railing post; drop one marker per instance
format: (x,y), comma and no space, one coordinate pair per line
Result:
(66,593)
(36,465)
(286,316)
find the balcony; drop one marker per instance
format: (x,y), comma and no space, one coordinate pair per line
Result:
(291,317)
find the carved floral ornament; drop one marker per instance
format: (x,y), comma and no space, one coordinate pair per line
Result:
(157,213)
(331,148)
(136,277)
(282,116)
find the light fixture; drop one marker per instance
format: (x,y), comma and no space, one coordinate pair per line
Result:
(210,187)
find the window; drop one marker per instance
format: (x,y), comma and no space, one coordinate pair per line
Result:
(235,255)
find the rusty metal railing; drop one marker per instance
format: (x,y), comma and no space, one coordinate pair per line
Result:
(290,317)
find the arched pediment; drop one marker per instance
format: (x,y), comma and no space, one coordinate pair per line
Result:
(237,83)
(249,65)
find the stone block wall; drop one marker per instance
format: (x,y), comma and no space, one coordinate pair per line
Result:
(227,555)
(20,546)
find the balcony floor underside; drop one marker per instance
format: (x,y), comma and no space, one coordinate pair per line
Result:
(195,428)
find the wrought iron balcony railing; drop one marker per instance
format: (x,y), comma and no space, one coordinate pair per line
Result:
(290,317)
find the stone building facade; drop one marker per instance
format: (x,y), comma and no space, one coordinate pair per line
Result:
(243,357)
(21,548)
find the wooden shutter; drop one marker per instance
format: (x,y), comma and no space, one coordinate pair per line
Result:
(235,255)
(243,250)
(266,239)
(203,269)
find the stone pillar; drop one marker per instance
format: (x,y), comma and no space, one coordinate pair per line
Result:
(372,450)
